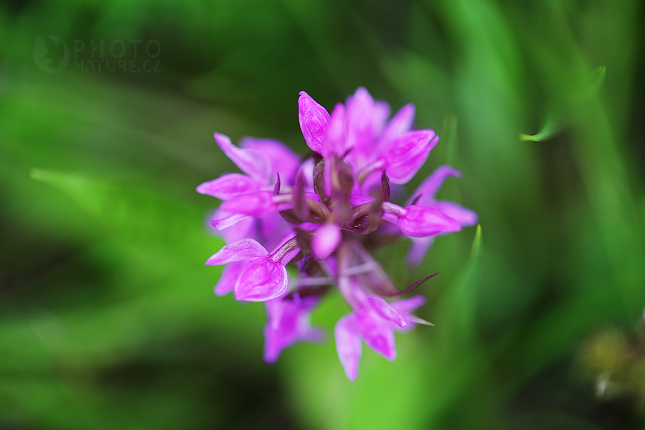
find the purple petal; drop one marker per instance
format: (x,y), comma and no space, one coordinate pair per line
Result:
(377,334)
(421,222)
(384,310)
(229,221)
(273,228)
(240,250)
(281,330)
(283,160)
(348,345)
(406,306)
(372,182)
(335,135)
(274,343)
(357,294)
(405,155)
(229,186)
(258,204)
(399,124)
(326,240)
(380,114)
(428,188)
(261,280)
(221,221)
(229,277)
(463,216)
(345,286)
(288,323)
(360,121)
(418,250)
(251,162)
(313,121)
(360,127)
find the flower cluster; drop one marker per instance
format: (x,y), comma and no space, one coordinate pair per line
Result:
(327,211)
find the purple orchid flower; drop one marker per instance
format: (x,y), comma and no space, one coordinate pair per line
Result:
(327,212)
(264,276)
(374,321)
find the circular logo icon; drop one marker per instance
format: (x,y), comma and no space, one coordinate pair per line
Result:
(51,53)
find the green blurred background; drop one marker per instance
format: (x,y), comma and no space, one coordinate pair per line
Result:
(107,315)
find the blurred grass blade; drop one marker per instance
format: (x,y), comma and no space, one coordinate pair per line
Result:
(466,287)
(475,250)
(130,212)
(86,193)
(590,84)
(459,306)
(449,139)
(548,130)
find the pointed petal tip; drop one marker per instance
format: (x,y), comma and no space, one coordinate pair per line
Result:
(221,137)
(448,170)
(426,221)
(465,217)
(429,135)
(362,91)
(351,376)
(348,345)
(434,140)
(203,188)
(223,141)
(415,319)
(409,106)
(270,354)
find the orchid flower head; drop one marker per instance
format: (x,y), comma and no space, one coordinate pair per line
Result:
(297,228)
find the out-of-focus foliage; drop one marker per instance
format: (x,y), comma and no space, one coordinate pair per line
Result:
(107,316)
